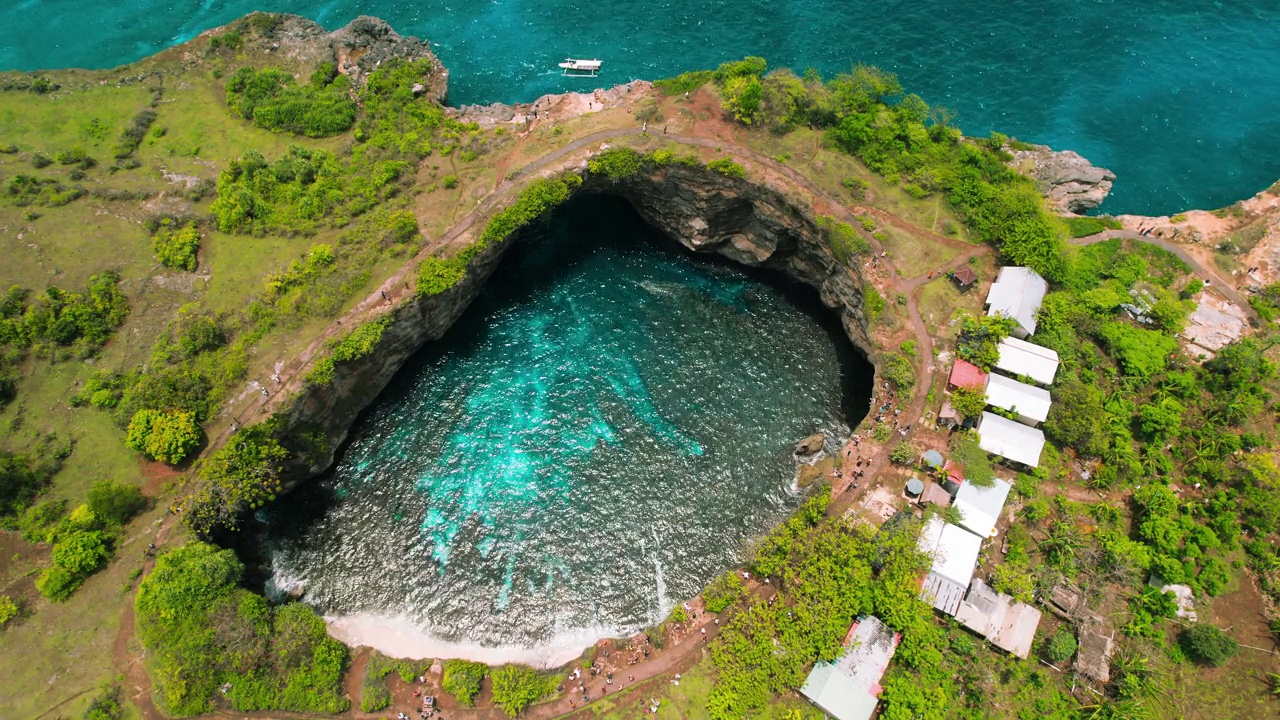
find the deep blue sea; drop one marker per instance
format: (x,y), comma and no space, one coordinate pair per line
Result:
(1181,98)
(599,436)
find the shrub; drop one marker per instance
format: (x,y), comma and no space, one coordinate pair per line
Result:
(80,553)
(8,610)
(516,687)
(903,454)
(462,679)
(374,698)
(106,706)
(24,190)
(1208,643)
(723,592)
(243,474)
(165,436)
(1061,647)
(22,477)
(678,615)
(134,133)
(684,82)
(271,100)
(617,163)
(177,247)
(898,370)
(449,182)
(61,317)
(727,167)
(57,583)
(873,302)
(845,242)
(116,502)
(1085,226)
(435,275)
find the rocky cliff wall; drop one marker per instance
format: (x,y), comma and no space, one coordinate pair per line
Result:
(704,210)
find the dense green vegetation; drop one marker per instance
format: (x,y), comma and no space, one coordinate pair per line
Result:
(201,630)
(462,679)
(165,436)
(241,475)
(271,100)
(828,573)
(352,346)
(516,687)
(900,137)
(24,475)
(176,247)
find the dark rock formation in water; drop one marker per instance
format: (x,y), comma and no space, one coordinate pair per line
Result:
(704,210)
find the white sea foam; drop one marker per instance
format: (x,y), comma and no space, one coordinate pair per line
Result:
(402,638)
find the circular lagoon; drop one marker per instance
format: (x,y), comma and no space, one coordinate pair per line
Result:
(606,429)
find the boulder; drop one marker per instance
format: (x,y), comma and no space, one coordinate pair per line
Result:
(811,445)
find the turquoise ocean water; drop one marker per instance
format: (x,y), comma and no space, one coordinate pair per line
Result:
(597,438)
(1181,98)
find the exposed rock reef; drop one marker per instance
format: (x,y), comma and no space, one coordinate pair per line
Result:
(704,210)
(1068,180)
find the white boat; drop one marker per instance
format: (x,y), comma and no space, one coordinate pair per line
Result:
(572,66)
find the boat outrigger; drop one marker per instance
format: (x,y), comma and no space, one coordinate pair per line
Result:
(580,68)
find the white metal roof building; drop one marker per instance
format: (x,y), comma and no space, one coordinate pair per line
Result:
(848,688)
(1024,359)
(980,507)
(1010,440)
(1017,294)
(1028,402)
(955,556)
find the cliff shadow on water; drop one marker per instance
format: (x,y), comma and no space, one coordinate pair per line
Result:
(601,432)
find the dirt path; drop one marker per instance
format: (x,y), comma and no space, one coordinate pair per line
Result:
(1220,283)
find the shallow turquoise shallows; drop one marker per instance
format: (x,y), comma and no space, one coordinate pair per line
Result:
(1180,98)
(602,432)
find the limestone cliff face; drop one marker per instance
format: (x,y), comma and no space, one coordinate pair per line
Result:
(702,209)
(747,223)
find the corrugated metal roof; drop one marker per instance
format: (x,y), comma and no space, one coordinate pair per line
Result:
(1028,401)
(966,374)
(847,689)
(1019,357)
(980,507)
(955,555)
(1017,293)
(1010,439)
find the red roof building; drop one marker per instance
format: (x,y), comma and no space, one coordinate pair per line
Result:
(966,374)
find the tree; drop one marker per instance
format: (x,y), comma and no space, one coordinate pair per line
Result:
(974,460)
(1162,417)
(903,453)
(516,687)
(462,679)
(724,591)
(1208,643)
(81,552)
(176,247)
(116,502)
(968,402)
(1060,647)
(1077,418)
(165,436)
(980,338)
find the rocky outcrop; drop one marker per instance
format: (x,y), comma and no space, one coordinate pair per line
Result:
(704,210)
(357,49)
(1069,180)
